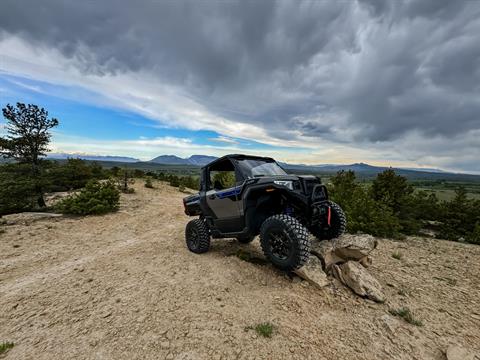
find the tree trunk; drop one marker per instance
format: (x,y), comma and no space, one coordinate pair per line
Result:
(41,201)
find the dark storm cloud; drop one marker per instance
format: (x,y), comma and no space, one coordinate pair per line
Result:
(351,71)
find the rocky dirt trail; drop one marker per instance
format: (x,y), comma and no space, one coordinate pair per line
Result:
(124,286)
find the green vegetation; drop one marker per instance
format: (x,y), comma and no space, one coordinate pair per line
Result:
(406,314)
(18,186)
(402,292)
(397,255)
(263,329)
(364,213)
(5,346)
(389,206)
(26,143)
(223,179)
(148,183)
(96,198)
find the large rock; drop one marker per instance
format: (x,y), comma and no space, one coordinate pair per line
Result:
(456,352)
(312,272)
(354,247)
(26,218)
(357,278)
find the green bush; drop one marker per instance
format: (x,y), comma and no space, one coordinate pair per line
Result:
(226,179)
(364,214)
(148,183)
(474,236)
(96,198)
(5,346)
(460,218)
(407,315)
(394,192)
(72,174)
(17,188)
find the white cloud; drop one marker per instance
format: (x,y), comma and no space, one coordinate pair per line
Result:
(224,139)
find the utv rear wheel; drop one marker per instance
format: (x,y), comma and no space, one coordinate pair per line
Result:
(338,224)
(245,239)
(285,242)
(197,236)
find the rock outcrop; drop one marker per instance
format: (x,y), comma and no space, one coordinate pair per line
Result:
(324,251)
(27,218)
(357,278)
(347,259)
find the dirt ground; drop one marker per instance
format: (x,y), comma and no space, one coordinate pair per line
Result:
(124,286)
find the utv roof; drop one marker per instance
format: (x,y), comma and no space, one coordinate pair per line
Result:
(237,157)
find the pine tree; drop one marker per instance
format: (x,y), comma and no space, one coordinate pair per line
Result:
(28,135)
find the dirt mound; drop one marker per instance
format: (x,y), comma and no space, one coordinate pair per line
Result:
(124,286)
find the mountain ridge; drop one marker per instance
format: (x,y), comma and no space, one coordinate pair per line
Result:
(199,160)
(64,156)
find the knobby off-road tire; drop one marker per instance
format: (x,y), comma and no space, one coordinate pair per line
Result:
(285,242)
(245,239)
(338,224)
(197,236)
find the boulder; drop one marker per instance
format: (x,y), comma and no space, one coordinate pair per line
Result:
(312,272)
(456,352)
(324,250)
(354,247)
(357,278)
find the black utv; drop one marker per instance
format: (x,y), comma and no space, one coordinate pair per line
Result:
(243,196)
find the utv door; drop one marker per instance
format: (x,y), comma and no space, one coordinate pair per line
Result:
(222,197)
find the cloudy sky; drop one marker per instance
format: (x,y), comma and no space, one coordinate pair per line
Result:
(384,82)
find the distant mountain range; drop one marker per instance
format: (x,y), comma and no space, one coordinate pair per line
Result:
(357,167)
(198,160)
(64,156)
(362,169)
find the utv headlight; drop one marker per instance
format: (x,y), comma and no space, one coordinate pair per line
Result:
(288,184)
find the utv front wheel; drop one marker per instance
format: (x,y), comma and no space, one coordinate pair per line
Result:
(197,236)
(285,242)
(337,226)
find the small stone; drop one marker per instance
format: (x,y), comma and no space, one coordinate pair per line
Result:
(476,317)
(165,344)
(390,323)
(296,280)
(107,314)
(366,261)
(456,352)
